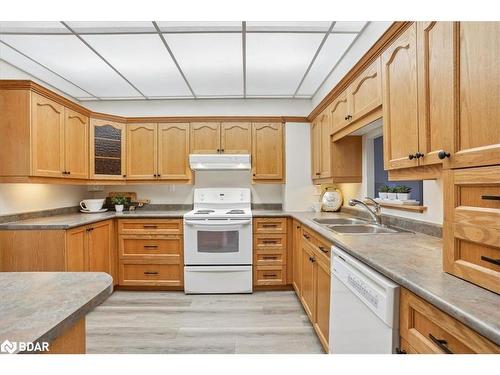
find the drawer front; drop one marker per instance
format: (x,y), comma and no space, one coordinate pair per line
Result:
(269,275)
(150,246)
(427,329)
(320,247)
(269,225)
(269,257)
(150,226)
(150,274)
(269,241)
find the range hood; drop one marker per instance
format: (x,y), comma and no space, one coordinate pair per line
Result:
(218,162)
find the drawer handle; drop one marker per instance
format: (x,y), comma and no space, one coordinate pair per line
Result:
(267,242)
(442,344)
(269,258)
(323,249)
(491,260)
(150,246)
(491,197)
(269,225)
(150,226)
(150,273)
(269,275)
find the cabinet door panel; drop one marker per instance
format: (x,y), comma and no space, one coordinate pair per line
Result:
(322,285)
(325,132)
(297,235)
(76,140)
(477,136)
(141,151)
(307,280)
(47,137)
(339,110)
(76,250)
(173,151)
(399,82)
(100,247)
(205,137)
(316,149)
(435,88)
(236,137)
(365,93)
(107,150)
(267,151)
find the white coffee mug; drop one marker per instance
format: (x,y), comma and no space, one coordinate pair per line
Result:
(92,204)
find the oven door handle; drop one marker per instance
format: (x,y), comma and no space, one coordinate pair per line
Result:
(214,223)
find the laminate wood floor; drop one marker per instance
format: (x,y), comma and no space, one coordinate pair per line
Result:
(172,322)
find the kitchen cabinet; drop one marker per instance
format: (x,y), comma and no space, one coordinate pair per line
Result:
(297,234)
(76,144)
(400,102)
(322,300)
(142,144)
(307,287)
(267,152)
(236,138)
(316,148)
(325,170)
(365,93)
(77,249)
(427,330)
(205,137)
(339,111)
(173,152)
(346,159)
(107,150)
(471,231)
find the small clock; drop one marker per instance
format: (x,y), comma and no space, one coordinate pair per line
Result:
(331,200)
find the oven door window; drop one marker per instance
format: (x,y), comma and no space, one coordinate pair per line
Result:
(218,242)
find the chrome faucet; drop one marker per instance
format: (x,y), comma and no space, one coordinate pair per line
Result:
(375,213)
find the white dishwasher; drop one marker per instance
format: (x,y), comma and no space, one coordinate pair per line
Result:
(364,308)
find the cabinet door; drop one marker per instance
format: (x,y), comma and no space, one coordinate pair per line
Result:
(322,297)
(173,151)
(316,149)
(100,247)
(307,279)
(365,93)
(297,235)
(47,127)
(267,151)
(476,137)
(236,137)
(339,110)
(399,85)
(107,150)
(325,132)
(435,88)
(76,141)
(205,137)
(141,151)
(77,250)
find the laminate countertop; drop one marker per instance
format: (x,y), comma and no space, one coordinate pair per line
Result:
(40,306)
(413,260)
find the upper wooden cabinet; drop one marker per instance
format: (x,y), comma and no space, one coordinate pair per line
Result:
(236,138)
(339,111)
(76,143)
(205,137)
(267,152)
(173,151)
(107,150)
(316,148)
(399,82)
(321,129)
(142,161)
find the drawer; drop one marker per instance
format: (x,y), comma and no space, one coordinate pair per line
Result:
(269,241)
(150,274)
(269,225)
(320,247)
(269,257)
(150,226)
(150,246)
(427,329)
(269,275)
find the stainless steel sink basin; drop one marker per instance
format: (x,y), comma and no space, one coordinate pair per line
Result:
(339,221)
(365,229)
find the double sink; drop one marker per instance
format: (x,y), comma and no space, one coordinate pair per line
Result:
(356,226)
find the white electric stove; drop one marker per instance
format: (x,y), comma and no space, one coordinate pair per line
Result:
(218,242)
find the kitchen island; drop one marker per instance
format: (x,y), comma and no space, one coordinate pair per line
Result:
(44,312)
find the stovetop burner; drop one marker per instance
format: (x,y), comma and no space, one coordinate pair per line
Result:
(235,212)
(202,212)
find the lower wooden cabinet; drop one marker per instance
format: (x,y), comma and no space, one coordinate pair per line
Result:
(426,329)
(296,240)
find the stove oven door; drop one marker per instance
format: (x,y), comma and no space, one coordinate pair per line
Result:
(217,241)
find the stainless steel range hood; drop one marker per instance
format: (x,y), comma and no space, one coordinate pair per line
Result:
(218,162)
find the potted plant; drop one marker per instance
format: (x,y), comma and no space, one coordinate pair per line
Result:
(382,191)
(118,201)
(403,192)
(392,193)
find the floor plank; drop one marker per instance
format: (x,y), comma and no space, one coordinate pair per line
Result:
(173,322)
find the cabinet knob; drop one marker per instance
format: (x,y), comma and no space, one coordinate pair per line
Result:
(419,155)
(222,150)
(443,154)
(411,156)
(218,150)
(124,175)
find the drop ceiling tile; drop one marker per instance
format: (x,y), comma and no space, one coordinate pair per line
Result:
(277,62)
(69,57)
(332,51)
(34,27)
(293,26)
(200,26)
(111,26)
(212,63)
(143,60)
(348,26)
